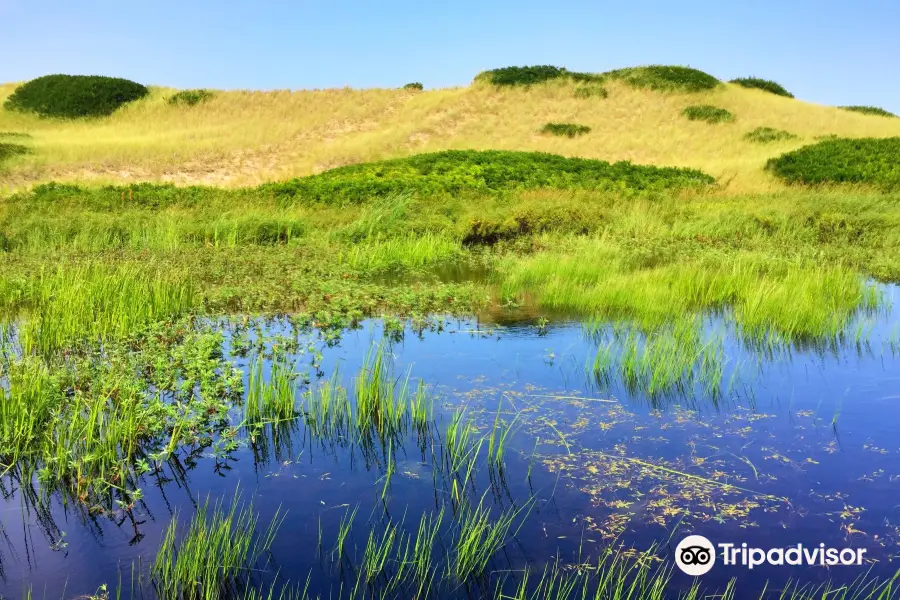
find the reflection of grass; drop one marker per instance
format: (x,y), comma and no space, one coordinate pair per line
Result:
(670,358)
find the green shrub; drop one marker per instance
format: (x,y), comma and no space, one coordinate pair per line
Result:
(665,78)
(763,84)
(74,96)
(190,97)
(591,91)
(10,150)
(415,86)
(766,135)
(532,75)
(874,161)
(708,113)
(565,129)
(869,110)
(475,172)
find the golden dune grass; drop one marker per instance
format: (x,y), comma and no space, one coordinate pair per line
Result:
(244,138)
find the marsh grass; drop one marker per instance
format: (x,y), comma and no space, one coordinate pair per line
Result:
(91,303)
(669,359)
(216,554)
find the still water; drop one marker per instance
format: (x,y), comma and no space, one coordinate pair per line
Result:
(796,445)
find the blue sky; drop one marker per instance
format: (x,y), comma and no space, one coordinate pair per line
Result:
(826,51)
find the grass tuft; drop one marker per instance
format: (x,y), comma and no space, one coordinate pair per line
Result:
(190,97)
(765,85)
(215,556)
(767,135)
(570,130)
(869,110)
(708,113)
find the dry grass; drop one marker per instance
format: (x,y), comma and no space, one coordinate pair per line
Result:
(244,138)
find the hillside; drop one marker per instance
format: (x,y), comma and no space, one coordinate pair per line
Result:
(243,138)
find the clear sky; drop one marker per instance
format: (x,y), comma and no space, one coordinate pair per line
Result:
(826,51)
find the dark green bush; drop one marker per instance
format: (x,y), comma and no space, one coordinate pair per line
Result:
(532,75)
(415,86)
(665,78)
(190,97)
(763,84)
(74,96)
(565,129)
(10,150)
(591,91)
(479,172)
(766,135)
(869,110)
(708,113)
(874,161)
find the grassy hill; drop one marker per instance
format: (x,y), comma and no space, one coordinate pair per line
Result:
(245,138)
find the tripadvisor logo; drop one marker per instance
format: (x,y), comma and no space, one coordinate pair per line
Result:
(696,555)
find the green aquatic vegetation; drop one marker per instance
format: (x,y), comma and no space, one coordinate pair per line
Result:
(74,96)
(665,78)
(594,276)
(75,304)
(765,85)
(869,110)
(670,358)
(570,130)
(89,425)
(767,135)
(190,97)
(471,172)
(871,161)
(271,398)
(218,552)
(480,536)
(708,113)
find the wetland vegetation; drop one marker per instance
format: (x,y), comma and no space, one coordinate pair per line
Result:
(454,374)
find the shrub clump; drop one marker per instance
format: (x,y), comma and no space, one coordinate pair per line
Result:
(869,110)
(512,76)
(415,86)
(766,135)
(708,113)
(10,150)
(190,97)
(765,85)
(565,129)
(591,91)
(873,161)
(455,172)
(665,78)
(74,96)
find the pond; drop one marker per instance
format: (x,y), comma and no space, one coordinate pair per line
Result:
(529,446)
